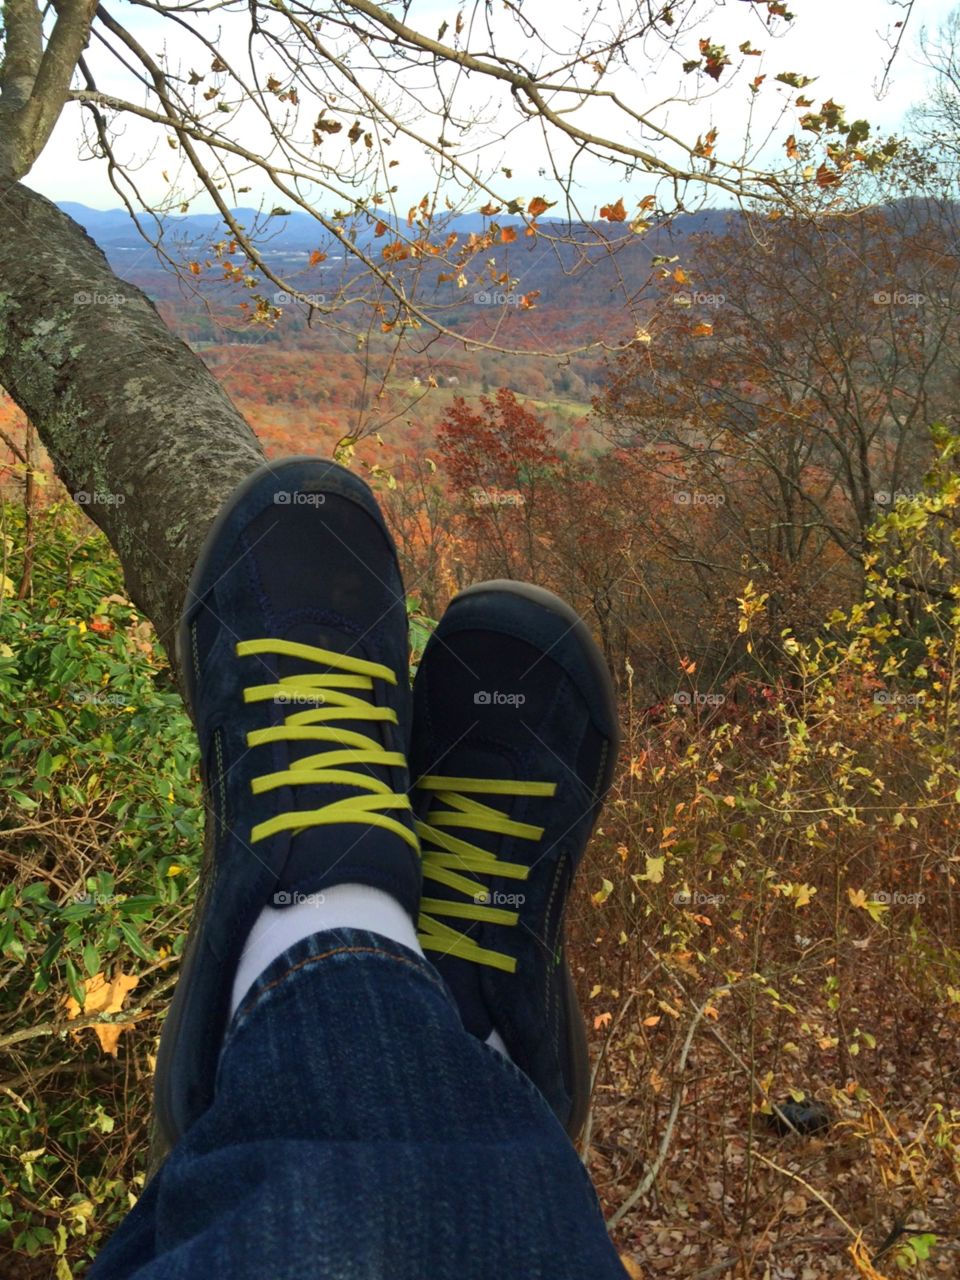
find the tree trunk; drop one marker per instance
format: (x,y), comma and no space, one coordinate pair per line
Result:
(137,428)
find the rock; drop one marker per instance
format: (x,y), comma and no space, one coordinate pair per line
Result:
(806,1117)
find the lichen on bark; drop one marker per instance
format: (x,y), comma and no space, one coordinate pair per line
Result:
(125,409)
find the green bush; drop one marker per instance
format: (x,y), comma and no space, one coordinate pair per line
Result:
(101,831)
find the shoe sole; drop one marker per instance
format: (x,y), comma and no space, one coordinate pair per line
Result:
(576,1026)
(165,1130)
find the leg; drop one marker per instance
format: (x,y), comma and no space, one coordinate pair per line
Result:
(358,1132)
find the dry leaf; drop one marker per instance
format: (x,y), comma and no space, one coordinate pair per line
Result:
(100,996)
(614,212)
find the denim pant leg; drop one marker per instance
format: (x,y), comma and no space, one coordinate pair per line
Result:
(359,1133)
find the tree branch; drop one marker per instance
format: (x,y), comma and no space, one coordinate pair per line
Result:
(28,124)
(130,416)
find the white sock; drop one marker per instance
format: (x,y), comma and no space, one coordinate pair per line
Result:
(495,1041)
(344,906)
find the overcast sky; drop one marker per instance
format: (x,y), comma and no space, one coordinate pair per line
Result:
(840,41)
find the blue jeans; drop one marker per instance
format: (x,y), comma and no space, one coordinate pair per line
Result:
(359,1133)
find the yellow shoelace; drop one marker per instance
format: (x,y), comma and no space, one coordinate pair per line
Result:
(453,862)
(313,725)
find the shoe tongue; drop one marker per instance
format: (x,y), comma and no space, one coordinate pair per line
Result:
(478,761)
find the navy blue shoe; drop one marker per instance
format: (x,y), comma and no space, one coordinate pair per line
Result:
(293,647)
(514,747)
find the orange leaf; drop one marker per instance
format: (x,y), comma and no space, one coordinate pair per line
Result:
(681,276)
(507,235)
(702,330)
(380,229)
(195,268)
(538,205)
(652,1020)
(602,1020)
(317,256)
(489,210)
(100,996)
(614,212)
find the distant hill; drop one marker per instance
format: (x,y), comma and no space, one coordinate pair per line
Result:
(581,282)
(297,233)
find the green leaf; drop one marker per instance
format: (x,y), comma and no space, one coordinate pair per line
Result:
(74,985)
(921,1245)
(136,943)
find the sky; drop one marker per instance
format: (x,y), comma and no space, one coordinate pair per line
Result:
(842,42)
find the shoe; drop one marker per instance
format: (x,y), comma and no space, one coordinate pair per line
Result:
(293,649)
(514,748)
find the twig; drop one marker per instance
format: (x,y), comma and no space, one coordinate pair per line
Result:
(27,1203)
(651,1175)
(787,1173)
(588,1127)
(135,1014)
(13,446)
